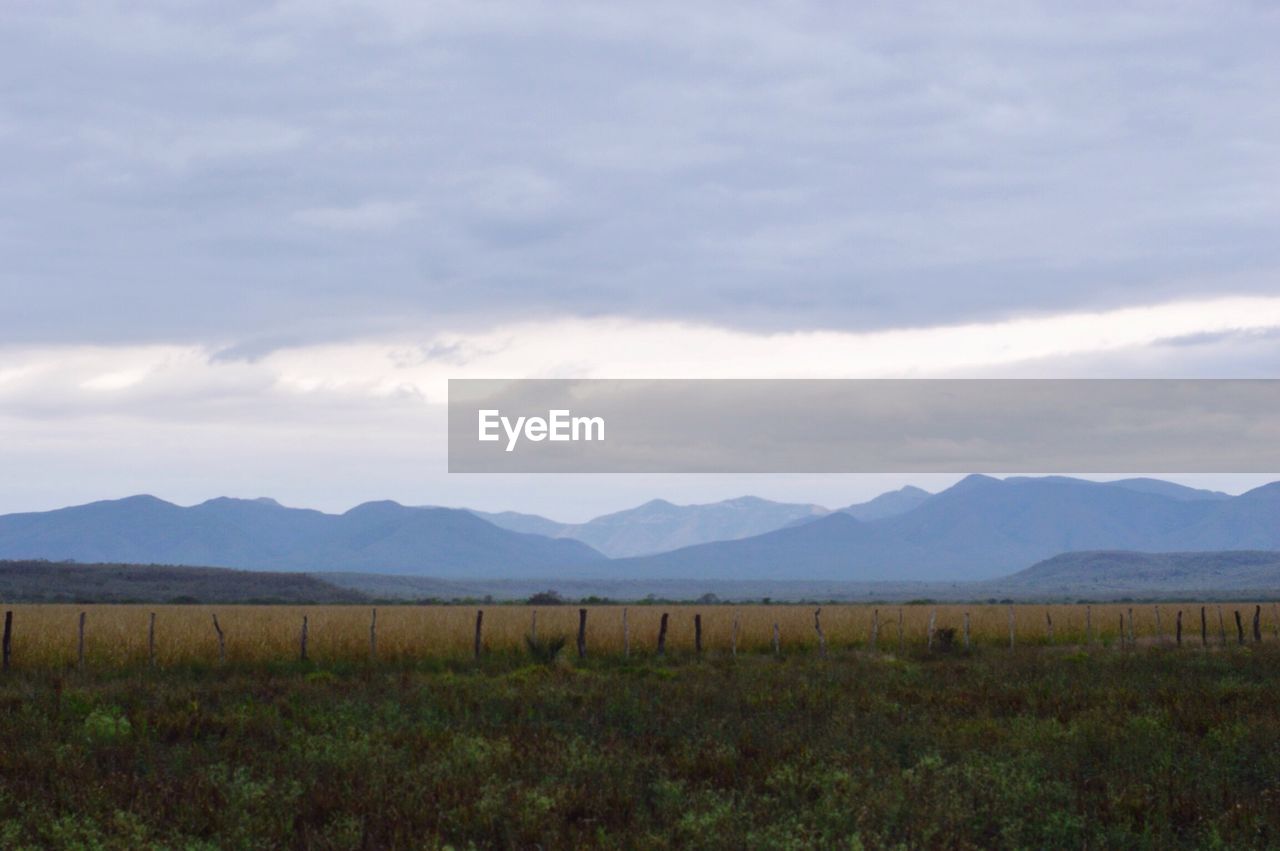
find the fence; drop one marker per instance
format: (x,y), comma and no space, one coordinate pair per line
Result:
(58,636)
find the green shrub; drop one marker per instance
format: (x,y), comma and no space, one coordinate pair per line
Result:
(545,650)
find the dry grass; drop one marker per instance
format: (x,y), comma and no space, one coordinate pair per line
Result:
(45,635)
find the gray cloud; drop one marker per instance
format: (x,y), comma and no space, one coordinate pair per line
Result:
(234,173)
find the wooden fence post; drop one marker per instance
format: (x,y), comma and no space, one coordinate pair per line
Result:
(966,630)
(822,639)
(151,640)
(626,635)
(697,633)
(1088,625)
(1275,619)
(373,635)
(1132,640)
(733,643)
(902,641)
(1048,625)
(6,650)
(582,633)
(662,635)
(1239,626)
(1179,628)
(533,626)
(302,645)
(479,642)
(933,623)
(222,640)
(80,644)
(1159,627)
(1222,628)
(1204,628)
(777,640)
(1123,643)
(875,630)
(1011,627)
(1257,624)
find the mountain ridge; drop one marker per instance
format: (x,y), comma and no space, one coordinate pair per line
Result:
(247,534)
(659,525)
(979,528)
(983,527)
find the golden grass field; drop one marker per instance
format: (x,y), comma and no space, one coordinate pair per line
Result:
(45,636)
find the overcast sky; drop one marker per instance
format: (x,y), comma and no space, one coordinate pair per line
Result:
(244,244)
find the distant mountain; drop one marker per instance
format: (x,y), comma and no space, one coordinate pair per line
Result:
(1158,487)
(530,524)
(1169,489)
(659,526)
(888,504)
(382,537)
(1111,573)
(50,582)
(983,528)
(979,529)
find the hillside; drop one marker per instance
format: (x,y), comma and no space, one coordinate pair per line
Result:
(1113,573)
(48,582)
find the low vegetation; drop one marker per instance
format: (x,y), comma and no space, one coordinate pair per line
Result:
(37,581)
(1145,749)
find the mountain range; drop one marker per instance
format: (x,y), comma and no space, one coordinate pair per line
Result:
(979,528)
(659,526)
(261,534)
(984,527)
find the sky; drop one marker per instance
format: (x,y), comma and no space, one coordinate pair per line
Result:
(245,244)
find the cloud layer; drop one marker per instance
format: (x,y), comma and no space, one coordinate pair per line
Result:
(246,243)
(286,173)
(355,382)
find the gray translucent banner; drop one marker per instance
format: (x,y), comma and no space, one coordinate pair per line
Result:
(864,426)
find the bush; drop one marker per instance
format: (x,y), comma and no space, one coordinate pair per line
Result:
(106,726)
(545,650)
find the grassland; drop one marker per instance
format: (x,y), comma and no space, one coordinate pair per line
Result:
(1064,744)
(1152,748)
(46,636)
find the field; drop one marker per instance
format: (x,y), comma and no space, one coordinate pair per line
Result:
(46,636)
(1145,749)
(1079,744)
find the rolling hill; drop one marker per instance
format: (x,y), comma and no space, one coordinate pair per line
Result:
(49,582)
(1113,573)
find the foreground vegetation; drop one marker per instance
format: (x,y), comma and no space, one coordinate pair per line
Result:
(1033,748)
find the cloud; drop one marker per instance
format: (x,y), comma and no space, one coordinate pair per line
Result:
(212,172)
(331,424)
(350,385)
(366,216)
(133,140)
(232,228)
